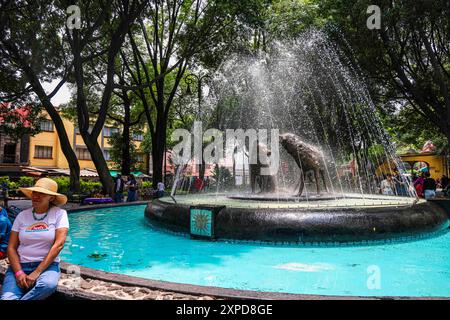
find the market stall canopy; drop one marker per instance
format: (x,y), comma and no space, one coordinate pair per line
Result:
(18,170)
(137,174)
(86,173)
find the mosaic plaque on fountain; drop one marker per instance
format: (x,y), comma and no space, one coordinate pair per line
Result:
(202,221)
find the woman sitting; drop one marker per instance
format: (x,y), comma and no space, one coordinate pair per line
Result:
(37,237)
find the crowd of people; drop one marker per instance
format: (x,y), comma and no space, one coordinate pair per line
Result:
(131,187)
(393,185)
(424,185)
(193,184)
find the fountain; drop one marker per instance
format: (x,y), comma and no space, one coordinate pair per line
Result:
(332,144)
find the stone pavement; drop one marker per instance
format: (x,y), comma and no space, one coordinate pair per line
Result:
(74,286)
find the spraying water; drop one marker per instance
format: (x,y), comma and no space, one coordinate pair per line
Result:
(304,87)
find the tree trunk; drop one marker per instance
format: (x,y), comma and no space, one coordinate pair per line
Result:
(67,150)
(447,153)
(158,150)
(66,146)
(157,159)
(202,169)
(126,157)
(99,162)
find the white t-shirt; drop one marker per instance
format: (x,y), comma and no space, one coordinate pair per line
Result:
(36,237)
(386,187)
(160,186)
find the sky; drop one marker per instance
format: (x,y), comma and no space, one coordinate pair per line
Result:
(63,95)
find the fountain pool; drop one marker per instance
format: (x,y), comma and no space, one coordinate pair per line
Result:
(120,240)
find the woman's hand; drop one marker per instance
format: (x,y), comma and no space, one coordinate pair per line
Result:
(31,278)
(21,281)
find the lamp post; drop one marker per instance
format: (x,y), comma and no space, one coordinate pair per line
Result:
(190,79)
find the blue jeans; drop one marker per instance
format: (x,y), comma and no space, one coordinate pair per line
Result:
(429,194)
(118,197)
(46,283)
(131,196)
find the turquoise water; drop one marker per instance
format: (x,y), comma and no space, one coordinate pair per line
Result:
(120,240)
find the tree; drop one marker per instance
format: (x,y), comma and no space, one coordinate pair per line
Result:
(31,53)
(37,46)
(407,61)
(175,35)
(113,20)
(116,152)
(21,121)
(410,131)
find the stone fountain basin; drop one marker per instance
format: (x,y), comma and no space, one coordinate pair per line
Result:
(301,223)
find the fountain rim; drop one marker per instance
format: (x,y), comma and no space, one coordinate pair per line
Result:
(291,204)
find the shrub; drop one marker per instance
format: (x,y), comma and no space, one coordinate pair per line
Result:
(10,185)
(63,184)
(146,184)
(26,181)
(223,177)
(4,180)
(87,186)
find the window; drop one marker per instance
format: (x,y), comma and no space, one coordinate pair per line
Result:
(82,153)
(140,158)
(43,152)
(108,131)
(46,125)
(138,136)
(77,130)
(107,155)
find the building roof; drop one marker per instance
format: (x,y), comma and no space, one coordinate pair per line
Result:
(66,172)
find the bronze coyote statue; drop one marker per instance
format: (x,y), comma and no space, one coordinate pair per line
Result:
(307,157)
(266,183)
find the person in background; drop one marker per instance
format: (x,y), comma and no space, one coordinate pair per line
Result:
(37,237)
(160,187)
(5,231)
(400,185)
(444,182)
(132,186)
(418,185)
(118,189)
(429,187)
(198,184)
(387,185)
(206,184)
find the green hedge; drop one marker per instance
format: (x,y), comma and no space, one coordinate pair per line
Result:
(86,186)
(26,182)
(145,185)
(63,184)
(11,185)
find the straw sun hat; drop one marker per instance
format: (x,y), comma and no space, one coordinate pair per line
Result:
(47,186)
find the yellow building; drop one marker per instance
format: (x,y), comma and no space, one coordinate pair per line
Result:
(45,149)
(435,163)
